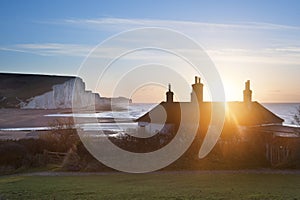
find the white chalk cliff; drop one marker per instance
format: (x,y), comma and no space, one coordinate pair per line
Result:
(61,96)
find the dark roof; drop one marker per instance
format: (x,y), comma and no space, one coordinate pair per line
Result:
(238,112)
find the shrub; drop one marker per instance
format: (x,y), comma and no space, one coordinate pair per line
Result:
(12,154)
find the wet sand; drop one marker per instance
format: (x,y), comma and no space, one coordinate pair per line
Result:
(17,135)
(19,118)
(34,118)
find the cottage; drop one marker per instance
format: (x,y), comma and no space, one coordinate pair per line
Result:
(243,114)
(241,118)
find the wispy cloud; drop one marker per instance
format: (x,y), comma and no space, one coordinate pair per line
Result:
(282,55)
(131,23)
(76,50)
(50,49)
(242,35)
(223,42)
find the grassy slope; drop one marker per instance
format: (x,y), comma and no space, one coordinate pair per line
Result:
(153,186)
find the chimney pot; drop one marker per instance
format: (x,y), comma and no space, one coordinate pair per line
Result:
(247,92)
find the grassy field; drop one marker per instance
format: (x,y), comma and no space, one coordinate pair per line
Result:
(183,185)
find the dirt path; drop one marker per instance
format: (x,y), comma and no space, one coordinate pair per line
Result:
(255,171)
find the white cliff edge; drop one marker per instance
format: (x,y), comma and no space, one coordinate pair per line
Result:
(61,96)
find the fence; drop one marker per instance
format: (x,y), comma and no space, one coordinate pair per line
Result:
(54,157)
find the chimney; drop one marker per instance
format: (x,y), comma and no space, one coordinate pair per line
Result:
(247,92)
(197,93)
(169,95)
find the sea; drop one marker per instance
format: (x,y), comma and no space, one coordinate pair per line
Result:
(286,111)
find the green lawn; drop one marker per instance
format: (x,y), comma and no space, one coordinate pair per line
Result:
(184,185)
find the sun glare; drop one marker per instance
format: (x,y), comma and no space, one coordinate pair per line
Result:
(151,93)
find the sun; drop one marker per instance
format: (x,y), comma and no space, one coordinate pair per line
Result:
(233,90)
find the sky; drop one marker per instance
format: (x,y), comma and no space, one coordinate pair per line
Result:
(246,40)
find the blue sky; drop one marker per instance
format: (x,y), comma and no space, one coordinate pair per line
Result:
(257,40)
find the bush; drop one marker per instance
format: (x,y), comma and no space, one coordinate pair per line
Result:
(12,154)
(62,136)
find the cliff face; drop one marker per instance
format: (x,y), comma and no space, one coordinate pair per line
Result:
(17,89)
(61,96)
(46,92)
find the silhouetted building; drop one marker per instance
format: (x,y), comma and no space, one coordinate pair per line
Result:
(236,112)
(170,95)
(240,118)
